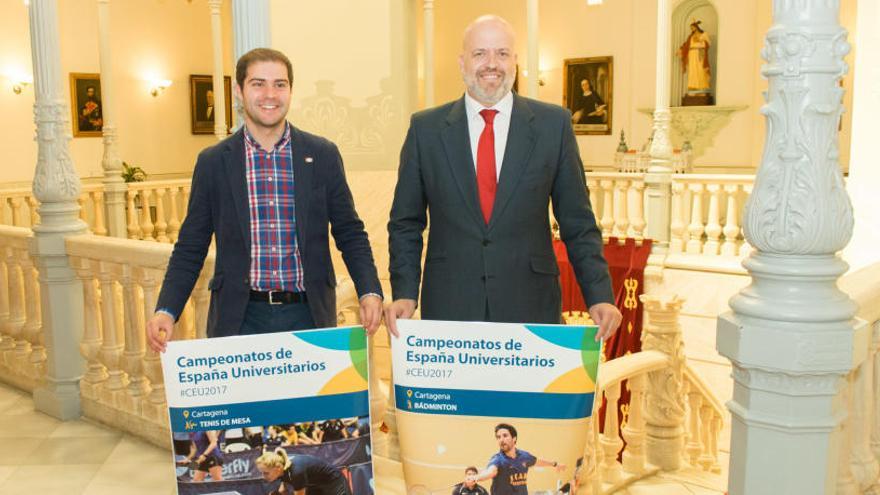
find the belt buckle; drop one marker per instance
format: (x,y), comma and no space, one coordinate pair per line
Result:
(272,301)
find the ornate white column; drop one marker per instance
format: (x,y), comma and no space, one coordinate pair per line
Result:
(219,91)
(533,65)
(114,186)
(251,29)
(791,337)
(659,177)
(428,6)
(57,187)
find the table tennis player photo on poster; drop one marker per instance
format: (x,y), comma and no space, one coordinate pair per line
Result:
(271,414)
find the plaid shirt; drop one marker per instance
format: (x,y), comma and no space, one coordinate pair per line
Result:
(275,259)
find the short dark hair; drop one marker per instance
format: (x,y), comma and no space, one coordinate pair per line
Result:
(471,468)
(260,55)
(510,429)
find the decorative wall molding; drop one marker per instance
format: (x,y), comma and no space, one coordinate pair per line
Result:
(699,125)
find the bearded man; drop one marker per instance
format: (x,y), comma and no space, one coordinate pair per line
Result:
(487,166)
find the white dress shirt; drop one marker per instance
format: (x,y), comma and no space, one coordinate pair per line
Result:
(501,124)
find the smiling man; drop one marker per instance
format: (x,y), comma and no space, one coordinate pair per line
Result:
(487,166)
(268,193)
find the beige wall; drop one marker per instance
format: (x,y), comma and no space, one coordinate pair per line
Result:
(626,30)
(354,70)
(149,39)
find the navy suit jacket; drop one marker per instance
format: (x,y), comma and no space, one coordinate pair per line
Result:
(507,266)
(218,205)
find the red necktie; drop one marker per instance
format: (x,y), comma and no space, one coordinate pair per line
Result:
(487,181)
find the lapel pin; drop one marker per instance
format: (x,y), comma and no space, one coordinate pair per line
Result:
(309,159)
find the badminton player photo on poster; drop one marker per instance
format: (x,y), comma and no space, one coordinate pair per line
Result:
(501,408)
(282,413)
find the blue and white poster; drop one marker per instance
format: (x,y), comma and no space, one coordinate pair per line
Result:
(499,406)
(271,414)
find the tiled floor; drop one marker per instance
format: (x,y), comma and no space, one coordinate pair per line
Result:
(41,455)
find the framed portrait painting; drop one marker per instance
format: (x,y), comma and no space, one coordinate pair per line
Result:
(85,105)
(587,93)
(201,103)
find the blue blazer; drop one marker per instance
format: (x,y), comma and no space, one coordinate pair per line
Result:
(218,205)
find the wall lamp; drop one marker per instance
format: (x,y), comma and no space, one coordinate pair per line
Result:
(542,76)
(18,86)
(159,86)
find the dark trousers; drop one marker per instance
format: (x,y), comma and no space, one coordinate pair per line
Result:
(262,317)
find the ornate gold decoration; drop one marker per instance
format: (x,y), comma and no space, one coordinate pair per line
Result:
(630,285)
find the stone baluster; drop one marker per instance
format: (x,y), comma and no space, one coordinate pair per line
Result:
(607,221)
(621,216)
(155,407)
(185,202)
(82,202)
(875,392)
(696,227)
(745,248)
(32,331)
(4,204)
(693,447)
(16,319)
(174,218)
(133,354)
(98,200)
(146,218)
(185,329)
(713,227)
(133,227)
(90,347)
(731,223)
(637,209)
(592,186)
(33,207)
(707,417)
(665,410)
(111,343)
(161,223)
(15,203)
(4,298)
(609,440)
(786,408)
(861,462)
(634,431)
(678,233)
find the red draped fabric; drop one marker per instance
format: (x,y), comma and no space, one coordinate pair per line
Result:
(626,263)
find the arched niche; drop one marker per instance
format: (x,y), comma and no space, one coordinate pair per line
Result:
(704,11)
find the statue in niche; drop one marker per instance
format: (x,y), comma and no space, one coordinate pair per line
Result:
(694,54)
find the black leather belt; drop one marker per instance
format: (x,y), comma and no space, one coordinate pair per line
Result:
(279,297)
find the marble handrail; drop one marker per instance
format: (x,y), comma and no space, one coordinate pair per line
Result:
(618,203)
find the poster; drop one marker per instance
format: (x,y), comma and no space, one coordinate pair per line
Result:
(504,406)
(270,414)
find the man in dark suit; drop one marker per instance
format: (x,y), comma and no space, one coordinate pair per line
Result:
(486,166)
(268,193)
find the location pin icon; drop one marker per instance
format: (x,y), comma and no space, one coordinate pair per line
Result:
(185,414)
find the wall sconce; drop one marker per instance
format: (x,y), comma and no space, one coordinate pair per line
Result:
(159,86)
(594,2)
(18,86)
(542,76)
